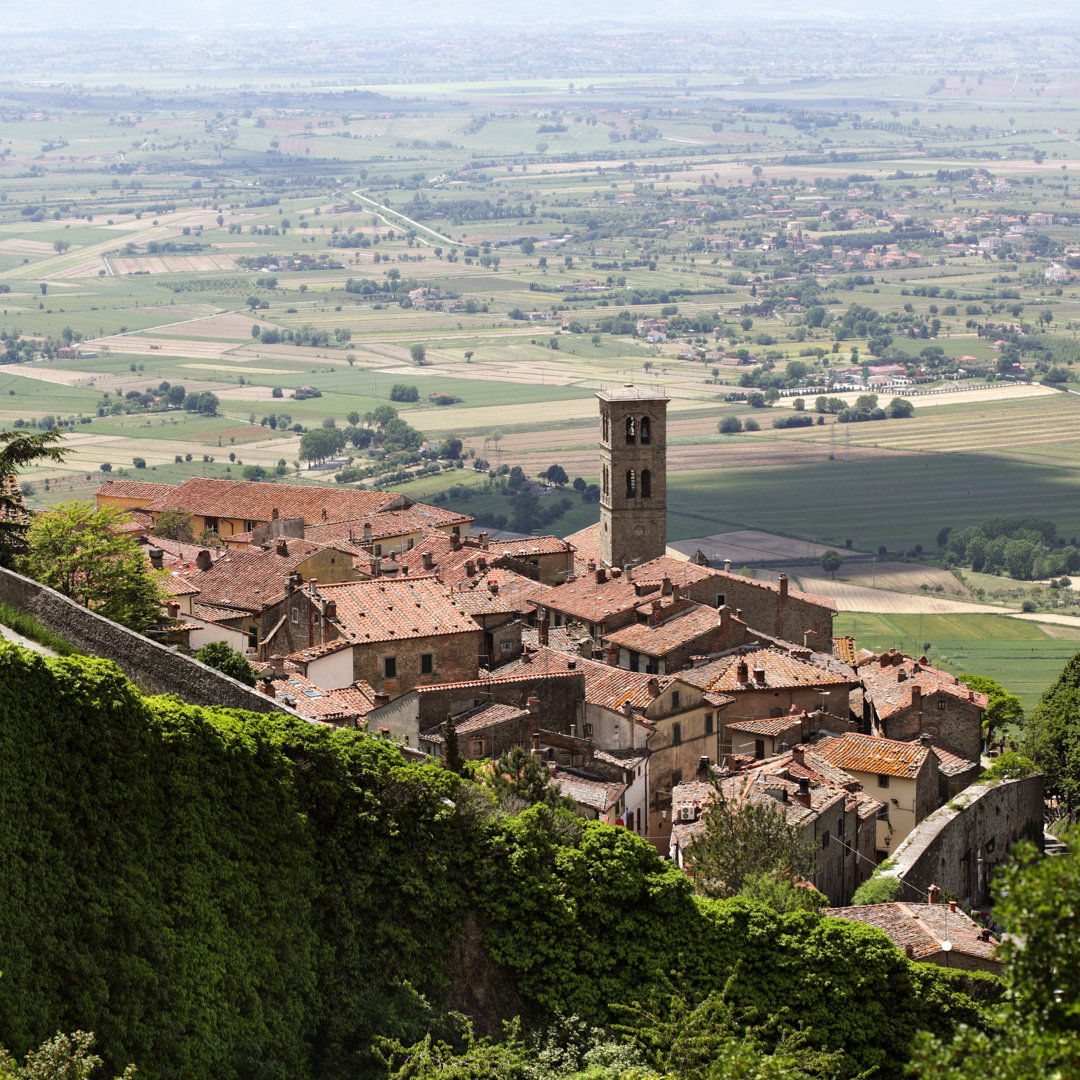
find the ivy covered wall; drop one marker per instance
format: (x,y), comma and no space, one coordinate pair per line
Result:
(225,895)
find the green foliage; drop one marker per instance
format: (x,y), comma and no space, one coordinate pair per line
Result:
(880,889)
(228,661)
(519,780)
(831,561)
(80,552)
(1003,709)
(743,841)
(1052,735)
(1010,766)
(17,450)
(175,525)
(404,392)
(729,425)
(63,1057)
(285,893)
(29,627)
(782,895)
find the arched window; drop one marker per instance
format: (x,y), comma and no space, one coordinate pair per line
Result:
(629,430)
(604,481)
(645,431)
(604,434)
(646,484)
(631,484)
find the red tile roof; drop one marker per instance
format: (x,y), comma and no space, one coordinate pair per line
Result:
(692,622)
(133,489)
(598,795)
(782,671)
(889,680)
(348,703)
(854,752)
(923,927)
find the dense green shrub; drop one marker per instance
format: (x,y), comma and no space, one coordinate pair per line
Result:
(223,895)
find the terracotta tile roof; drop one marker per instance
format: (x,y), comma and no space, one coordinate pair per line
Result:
(869,754)
(176,552)
(781,671)
(395,609)
(501,675)
(212,613)
(521,592)
(528,546)
(133,489)
(609,687)
(773,726)
(587,543)
(594,601)
(950,764)
(488,717)
(175,586)
(675,632)
(562,638)
(485,602)
(622,759)
(844,649)
(256,501)
(386,524)
(249,579)
(923,927)
(599,795)
(889,680)
(350,702)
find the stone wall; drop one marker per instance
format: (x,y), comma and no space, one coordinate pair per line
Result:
(957,847)
(154,668)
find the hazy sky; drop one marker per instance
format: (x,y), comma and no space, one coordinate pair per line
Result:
(375,17)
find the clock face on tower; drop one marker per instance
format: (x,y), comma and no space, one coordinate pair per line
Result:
(633,459)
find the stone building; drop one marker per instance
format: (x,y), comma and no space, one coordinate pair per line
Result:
(633,475)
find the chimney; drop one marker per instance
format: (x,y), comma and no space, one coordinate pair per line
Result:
(470,568)
(330,609)
(526,656)
(616,573)
(675,592)
(203,561)
(172,608)
(536,743)
(916,696)
(379,700)
(155,555)
(428,560)
(802,796)
(952,905)
(665,586)
(277,665)
(759,676)
(482,562)
(654,686)
(901,675)
(782,582)
(493,588)
(725,620)
(601,575)
(313,586)
(727,566)
(483,541)
(590,566)
(611,655)
(281,548)
(738,613)
(455,542)
(703,768)
(656,612)
(909,951)
(533,705)
(367,532)
(296,581)
(742,672)
(405,570)
(274,514)
(933,895)
(266,685)
(571,665)
(542,632)
(807,635)
(798,755)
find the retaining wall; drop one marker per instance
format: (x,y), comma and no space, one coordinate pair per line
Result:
(957,847)
(154,668)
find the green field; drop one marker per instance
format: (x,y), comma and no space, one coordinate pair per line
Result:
(1019,654)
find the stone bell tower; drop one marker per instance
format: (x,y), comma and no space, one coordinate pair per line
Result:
(633,475)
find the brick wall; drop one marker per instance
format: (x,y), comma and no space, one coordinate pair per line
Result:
(957,847)
(454,658)
(951,722)
(559,699)
(154,668)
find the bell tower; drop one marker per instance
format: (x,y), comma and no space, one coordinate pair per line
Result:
(633,475)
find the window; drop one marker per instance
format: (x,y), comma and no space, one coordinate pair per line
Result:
(708,723)
(476,748)
(759,749)
(825,840)
(882,780)
(941,703)
(427,663)
(389,665)
(676,734)
(629,431)
(294,615)
(604,433)
(645,431)
(635,661)
(211,524)
(605,481)
(505,646)
(409,548)
(631,483)
(674,699)
(721,599)
(646,484)
(378,551)
(588,731)
(840,825)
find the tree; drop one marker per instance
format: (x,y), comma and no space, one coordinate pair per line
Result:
(556,474)
(321,443)
(63,1057)
(1052,735)
(743,839)
(579,484)
(496,438)
(17,450)
(450,449)
(175,395)
(519,780)
(831,561)
(418,353)
(900,409)
(79,551)
(730,425)
(756,400)
(228,661)
(1004,709)
(139,462)
(175,525)
(404,392)
(751,425)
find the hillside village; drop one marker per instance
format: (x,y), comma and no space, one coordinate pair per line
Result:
(638,676)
